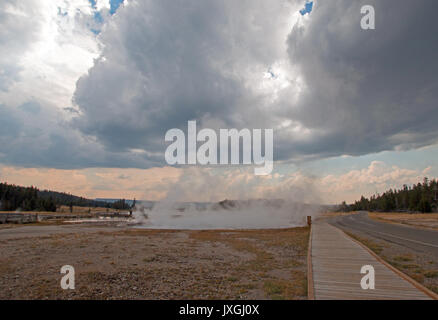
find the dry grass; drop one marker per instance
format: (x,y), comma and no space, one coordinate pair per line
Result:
(283,277)
(404,258)
(375,247)
(431,274)
(159,264)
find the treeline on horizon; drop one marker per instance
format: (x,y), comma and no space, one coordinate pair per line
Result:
(13,198)
(420,197)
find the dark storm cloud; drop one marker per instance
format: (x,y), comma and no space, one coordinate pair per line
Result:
(371,90)
(365,91)
(9,125)
(166,62)
(35,136)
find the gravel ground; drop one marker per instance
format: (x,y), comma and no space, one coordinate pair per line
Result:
(155,264)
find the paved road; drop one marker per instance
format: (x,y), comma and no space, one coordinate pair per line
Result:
(410,237)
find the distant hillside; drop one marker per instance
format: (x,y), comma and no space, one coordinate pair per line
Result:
(14,198)
(66,199)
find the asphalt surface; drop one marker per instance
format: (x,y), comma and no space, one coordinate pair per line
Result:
(409,237)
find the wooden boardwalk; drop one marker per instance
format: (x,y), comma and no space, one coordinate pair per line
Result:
(336,264)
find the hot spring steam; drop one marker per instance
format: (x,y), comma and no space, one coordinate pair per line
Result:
(250,214)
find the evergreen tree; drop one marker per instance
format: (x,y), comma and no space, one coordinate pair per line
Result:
(420,197)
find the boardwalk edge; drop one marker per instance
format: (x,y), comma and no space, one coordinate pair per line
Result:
(310,285)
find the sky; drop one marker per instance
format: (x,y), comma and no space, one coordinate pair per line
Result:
(88,89)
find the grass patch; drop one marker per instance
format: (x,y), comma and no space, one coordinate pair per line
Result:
(274,289)
(232,279)
(375,247)
(404,258)
(283,289)
(431,274)
(150,259)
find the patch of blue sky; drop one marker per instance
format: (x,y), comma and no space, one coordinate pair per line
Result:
(417,159)
(307,8)
(93,3)
(115,4)
(95,31)
(99,18)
